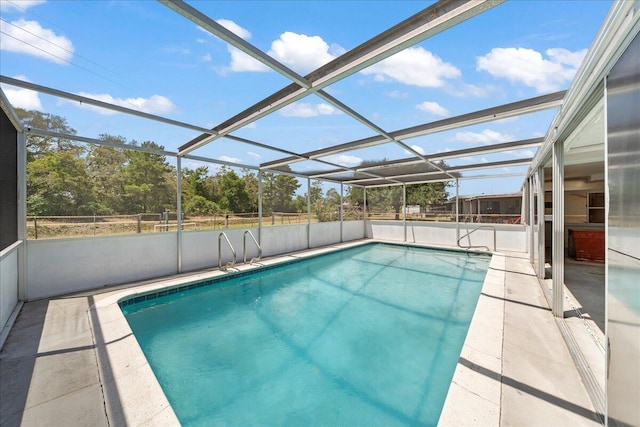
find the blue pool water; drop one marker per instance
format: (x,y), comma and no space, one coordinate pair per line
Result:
(365,336)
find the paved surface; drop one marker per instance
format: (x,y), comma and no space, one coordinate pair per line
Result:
(587,284)
(540,384)
(49,373)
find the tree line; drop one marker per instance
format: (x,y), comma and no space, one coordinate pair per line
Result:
(68,178)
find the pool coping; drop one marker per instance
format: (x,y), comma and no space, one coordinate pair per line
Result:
(133,396)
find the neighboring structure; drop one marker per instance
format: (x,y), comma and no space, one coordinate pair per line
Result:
(488,208)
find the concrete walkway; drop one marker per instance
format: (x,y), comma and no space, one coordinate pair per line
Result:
(49,373)
(540,383)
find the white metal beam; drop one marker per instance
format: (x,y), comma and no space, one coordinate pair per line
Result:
(234,40)
(89,101)
(495,148)
(430,21)
(513,109)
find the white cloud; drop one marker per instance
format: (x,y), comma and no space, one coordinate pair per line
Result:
(414,66)
(19,4)
(521,154)
(416,148)
(303,53)
(433,108)
(229,159)
(473,159)
(300,52)
(344,159)
(306,109)
(23,98)
(254,155)
(397,94)
(529,67)
(29,37)
(564,56)
(464,90)
(234,28)
(206,58)
(487,136)
(155,104)
(240,61)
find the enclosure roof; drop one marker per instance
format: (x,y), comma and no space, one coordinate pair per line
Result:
(372,152)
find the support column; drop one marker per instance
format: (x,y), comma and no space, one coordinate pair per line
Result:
(22,215)
(364,210)
(260,207)
(179,210)
(341,211)
(558,229)
(404,210)
(308,212)
(457,212)
(531,189)
(541,225)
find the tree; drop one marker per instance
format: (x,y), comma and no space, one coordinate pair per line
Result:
(278,191)
(58,184)
(315,192)
(195,182)
(234,196)
(431,193)
(197,192)
(105,168)
(146,186)
(37,145)
(251,185)
(198,205)
(327,208)
(383,199)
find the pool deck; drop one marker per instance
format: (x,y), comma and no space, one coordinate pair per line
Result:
(73,361)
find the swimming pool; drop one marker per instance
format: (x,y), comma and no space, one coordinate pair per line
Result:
(369,335)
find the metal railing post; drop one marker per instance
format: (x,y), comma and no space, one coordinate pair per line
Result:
(233,251)
(244,247)
(179,211)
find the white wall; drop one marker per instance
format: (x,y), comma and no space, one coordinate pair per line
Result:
(8,282)
(352,230)
(60,266)
(281,239)
(200,248)
(324,233)
(510,237)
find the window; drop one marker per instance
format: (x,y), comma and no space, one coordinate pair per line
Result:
(596,207)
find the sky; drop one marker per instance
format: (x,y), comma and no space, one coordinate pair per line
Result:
(143,55)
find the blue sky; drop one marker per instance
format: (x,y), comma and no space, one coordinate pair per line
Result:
(142,55)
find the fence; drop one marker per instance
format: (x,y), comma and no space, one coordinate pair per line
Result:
(47,227)
(448,217)
(50,227)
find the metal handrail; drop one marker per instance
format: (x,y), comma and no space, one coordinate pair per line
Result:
(479,246)
(244,247)
(232,263)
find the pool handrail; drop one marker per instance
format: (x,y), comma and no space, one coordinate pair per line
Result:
(479,246)
(232,263)
(244,247)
